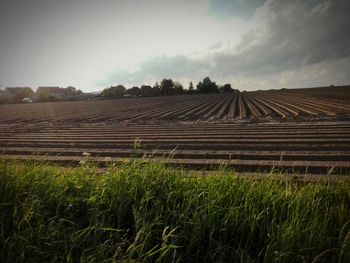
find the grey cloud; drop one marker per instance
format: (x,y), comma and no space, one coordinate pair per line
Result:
(293,36)
(296,34)
(159,67)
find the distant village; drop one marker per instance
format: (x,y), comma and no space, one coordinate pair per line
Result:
(42,94)
(165,88)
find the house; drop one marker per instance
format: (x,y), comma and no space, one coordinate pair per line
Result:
(50,90)
(16,94)
(48,93)
(57,93)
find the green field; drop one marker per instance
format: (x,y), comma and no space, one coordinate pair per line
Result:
(143,212)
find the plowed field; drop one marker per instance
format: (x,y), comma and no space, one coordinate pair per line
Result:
(291,130)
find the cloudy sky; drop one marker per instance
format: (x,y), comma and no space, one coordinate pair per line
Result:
(253,44)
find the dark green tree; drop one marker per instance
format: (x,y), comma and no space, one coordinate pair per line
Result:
(114,91)
(178,88)
(167,87)
(134,91)
(207,86)
(146,90)
(226,88)
(156,89)
(191,88)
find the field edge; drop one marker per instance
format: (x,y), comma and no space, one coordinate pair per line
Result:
(144,212)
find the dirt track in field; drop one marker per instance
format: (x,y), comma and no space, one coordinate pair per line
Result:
(292,130)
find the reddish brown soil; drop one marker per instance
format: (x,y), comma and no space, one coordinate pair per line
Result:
(291,130)
(258,106)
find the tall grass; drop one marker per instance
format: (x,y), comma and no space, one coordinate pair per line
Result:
(144,212)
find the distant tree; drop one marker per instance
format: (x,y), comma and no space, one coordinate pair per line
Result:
(114,91)
(178,88)
(167,87)
(146,90)
(156,89)
(20,94)
(226,88)
(207,86)
(191,88)
(135,91)
(72,90)
(45,96)
(16,94)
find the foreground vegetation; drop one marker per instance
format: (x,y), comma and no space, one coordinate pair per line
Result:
(141,212)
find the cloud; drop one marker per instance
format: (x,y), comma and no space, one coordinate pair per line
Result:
(156,68)
(77,42)
(294,34)
(298,42)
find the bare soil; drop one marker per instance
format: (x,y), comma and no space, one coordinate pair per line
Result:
(296,131)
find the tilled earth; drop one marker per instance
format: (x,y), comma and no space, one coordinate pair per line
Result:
(288,130)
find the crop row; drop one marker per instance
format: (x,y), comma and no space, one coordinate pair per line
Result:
(307,147)
(210,107)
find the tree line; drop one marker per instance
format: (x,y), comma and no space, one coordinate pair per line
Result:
(168,87)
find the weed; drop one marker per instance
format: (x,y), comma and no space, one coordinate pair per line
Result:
(147,212)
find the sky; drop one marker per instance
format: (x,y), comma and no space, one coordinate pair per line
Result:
(252,44)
